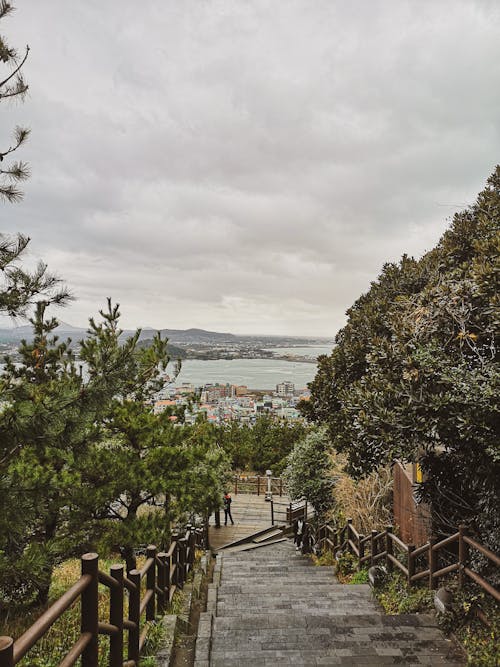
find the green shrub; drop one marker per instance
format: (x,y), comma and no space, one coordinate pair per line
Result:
(481,643)
(346,565)
(396,598)
(360,577)
(326,558)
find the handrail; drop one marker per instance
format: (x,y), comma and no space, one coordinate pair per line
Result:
(29,638)
(378,545)
(398,542)
(484,550)
(164,573)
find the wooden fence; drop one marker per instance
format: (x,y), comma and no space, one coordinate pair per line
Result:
(415,563)
(257,484)
(412,518)
(149,589)
(287,513)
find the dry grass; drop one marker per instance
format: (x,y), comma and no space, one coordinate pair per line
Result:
(368,501)
(55,644)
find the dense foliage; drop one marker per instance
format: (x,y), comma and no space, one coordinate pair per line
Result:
(308,471)
(83,460)
(414,374)
(263,446)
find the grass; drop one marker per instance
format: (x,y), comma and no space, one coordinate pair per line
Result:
(481,642)
(55,644)
(395,597)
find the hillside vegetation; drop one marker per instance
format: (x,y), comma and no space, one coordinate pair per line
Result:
(414,374)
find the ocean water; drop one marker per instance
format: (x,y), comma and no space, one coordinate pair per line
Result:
(254,373)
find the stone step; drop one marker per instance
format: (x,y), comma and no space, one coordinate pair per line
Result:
(250,546)
(274,607)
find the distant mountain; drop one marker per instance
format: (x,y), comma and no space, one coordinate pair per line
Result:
(25,331)
(64,330)
(175,336)
(195,336)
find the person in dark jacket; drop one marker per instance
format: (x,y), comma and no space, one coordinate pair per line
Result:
(227,508)
(298,532)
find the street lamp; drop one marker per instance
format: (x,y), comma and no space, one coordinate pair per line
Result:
(269,495)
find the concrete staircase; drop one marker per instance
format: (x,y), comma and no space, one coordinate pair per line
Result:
(271,606)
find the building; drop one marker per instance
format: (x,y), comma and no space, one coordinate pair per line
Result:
(285,388)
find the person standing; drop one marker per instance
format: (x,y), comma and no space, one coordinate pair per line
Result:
(298,533)
(227,508)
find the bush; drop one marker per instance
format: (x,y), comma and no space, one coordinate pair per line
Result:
(396,598)
(367,501)
(360,577)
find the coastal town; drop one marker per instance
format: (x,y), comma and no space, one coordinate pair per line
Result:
(224,403)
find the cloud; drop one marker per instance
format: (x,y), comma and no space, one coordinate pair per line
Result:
(248,166)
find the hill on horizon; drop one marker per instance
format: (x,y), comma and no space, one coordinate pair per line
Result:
(191,336)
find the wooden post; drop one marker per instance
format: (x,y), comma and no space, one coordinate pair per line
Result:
(433,560)
(236,485)
(361,550)
(181,563)
(258,485)
(151,583)
(462,554)
(411,564)
(176,579)
(272,512)
(168,576)
(162,582)
(6,652)
(192,548)
(89,610)
(388,548)
(281,487)
(134,615)
(116,617)
(373,546)
(349,525)
(206,544)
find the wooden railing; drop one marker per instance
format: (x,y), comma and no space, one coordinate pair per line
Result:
(387,547)
(287,513)
(257,484)
(162,573)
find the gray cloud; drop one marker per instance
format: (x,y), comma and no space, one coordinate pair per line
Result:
(248,166)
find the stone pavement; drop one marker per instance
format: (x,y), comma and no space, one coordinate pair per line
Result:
(251,513)
(272,606)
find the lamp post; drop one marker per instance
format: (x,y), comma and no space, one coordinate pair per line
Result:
(269,495)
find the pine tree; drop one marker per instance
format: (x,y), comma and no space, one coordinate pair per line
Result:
(12,85)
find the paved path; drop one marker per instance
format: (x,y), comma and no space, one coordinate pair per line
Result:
(273,607)
(251,513)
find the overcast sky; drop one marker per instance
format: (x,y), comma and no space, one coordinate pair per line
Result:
(246,165)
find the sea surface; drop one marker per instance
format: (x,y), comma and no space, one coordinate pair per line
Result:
(254,373)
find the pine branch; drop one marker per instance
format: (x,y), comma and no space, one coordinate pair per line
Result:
(10,193)
(18,171)
(19,80)
(20,136)
(5,8)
